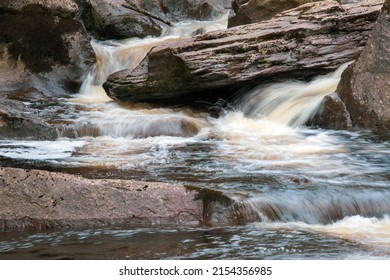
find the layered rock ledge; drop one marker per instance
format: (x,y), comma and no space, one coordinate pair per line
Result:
(36,199)
(299,43)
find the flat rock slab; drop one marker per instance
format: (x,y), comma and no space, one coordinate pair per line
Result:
(36,199)
(300,43)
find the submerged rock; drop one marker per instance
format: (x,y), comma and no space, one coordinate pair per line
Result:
(35,199)
(299,43)
(364,89)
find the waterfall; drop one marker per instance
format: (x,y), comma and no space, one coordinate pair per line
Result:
(291,103)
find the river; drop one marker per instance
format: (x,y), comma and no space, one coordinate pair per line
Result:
(318,194)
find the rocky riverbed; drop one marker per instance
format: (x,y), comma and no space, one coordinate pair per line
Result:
(46,55)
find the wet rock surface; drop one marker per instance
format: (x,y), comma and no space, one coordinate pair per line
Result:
(311,39)
(114,20)
(35,199)
(365,86)
(252,11)
(44,53)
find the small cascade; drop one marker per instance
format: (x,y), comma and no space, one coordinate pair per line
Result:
(100,117)
(317,207)
(291,103)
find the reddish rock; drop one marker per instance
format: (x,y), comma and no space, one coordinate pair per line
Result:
(299,43)
(365,85)
(35,199)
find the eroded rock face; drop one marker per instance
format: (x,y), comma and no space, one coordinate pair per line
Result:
(35,199)
(312,39)
(364,88)
(251,11)
(44,53)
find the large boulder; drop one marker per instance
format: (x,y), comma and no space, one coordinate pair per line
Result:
(35,199)
(114,19)
(364,88)
(42,38)
(61,8)
(251,11)
(175,11)
(300,43)
(120,19)
(44,53)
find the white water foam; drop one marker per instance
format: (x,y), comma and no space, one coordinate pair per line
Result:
(370,231)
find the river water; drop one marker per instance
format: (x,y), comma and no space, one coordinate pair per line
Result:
(318,194)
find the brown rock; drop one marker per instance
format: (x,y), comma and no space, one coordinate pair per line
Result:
(299,43)
(251,11)
(175,11)
(333,114)
(113,19)
(35,199)
(61,8)
(365,85)
(44,52)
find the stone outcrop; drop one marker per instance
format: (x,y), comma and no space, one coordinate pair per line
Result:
(61,8)
(311,39)
(121,19)
(251,11)
(364,88)
(44,53)
(35,199)
(41,37)
(113,19)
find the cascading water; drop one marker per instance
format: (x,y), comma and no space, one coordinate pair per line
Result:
(309,191)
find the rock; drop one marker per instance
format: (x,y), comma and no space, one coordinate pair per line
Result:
(176,11)
(114,20)
(61,8)
(17,121)
(365,85)
(44,53)
(251,11)
(364,89)
(333,114)
(61,54)
(35,199)
(194,9)
(300,43)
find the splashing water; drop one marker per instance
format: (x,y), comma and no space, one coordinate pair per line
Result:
(291,103)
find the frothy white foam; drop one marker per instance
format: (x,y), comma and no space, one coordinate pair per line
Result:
(39,150)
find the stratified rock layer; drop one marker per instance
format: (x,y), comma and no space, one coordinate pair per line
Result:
(299,43)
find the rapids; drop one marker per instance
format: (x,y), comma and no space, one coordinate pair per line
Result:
(314,193)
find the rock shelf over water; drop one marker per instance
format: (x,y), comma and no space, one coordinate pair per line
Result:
(299,43)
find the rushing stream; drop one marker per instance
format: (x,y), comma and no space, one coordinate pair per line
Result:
(318,194)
